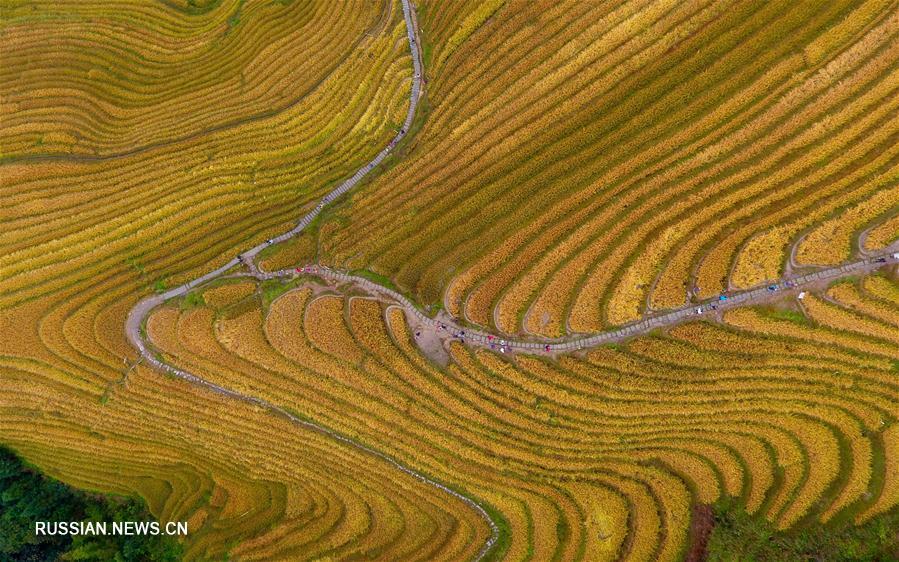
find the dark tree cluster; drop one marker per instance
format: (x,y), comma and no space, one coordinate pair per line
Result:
(26,496)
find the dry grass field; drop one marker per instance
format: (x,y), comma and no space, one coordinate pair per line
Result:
(573,166)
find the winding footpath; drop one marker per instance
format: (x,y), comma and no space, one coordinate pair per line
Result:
(138,314)
(443,324)
(710,307)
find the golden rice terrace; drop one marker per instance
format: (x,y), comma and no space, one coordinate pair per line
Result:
(417,280)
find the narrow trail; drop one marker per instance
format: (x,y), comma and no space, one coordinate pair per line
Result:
(448,326)
(138,314)
(709,307)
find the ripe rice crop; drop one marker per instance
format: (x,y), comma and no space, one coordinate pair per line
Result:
(883,234)
(841,319)
(228,294)
(324,325)
(831,242)
(293,252)
(849,296)
(881,288)
(605,511)
(786,420)
(578,164)
(611,168)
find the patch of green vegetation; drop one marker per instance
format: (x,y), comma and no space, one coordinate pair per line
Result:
(26,496)
(159,285)
(427,53)
(234,19)
(136,265)
(376,277)
(205,498)
(562,530)
(192,299)
(738,536)
(504,538)
(273,288)
(434,308)
(297,414)
(783,312)
(848,280)
(789,315)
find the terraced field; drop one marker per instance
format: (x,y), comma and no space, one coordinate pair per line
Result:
(575,166)
(267,168)
(251,485)
(139,144)
(572,176)
(790,412)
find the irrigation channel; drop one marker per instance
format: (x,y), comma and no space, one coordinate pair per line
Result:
(445,324)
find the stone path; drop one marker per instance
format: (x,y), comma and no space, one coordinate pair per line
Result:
(646,324)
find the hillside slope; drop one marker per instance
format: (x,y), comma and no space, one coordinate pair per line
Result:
(585,162)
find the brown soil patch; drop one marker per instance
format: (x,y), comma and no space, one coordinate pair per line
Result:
(701,524)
